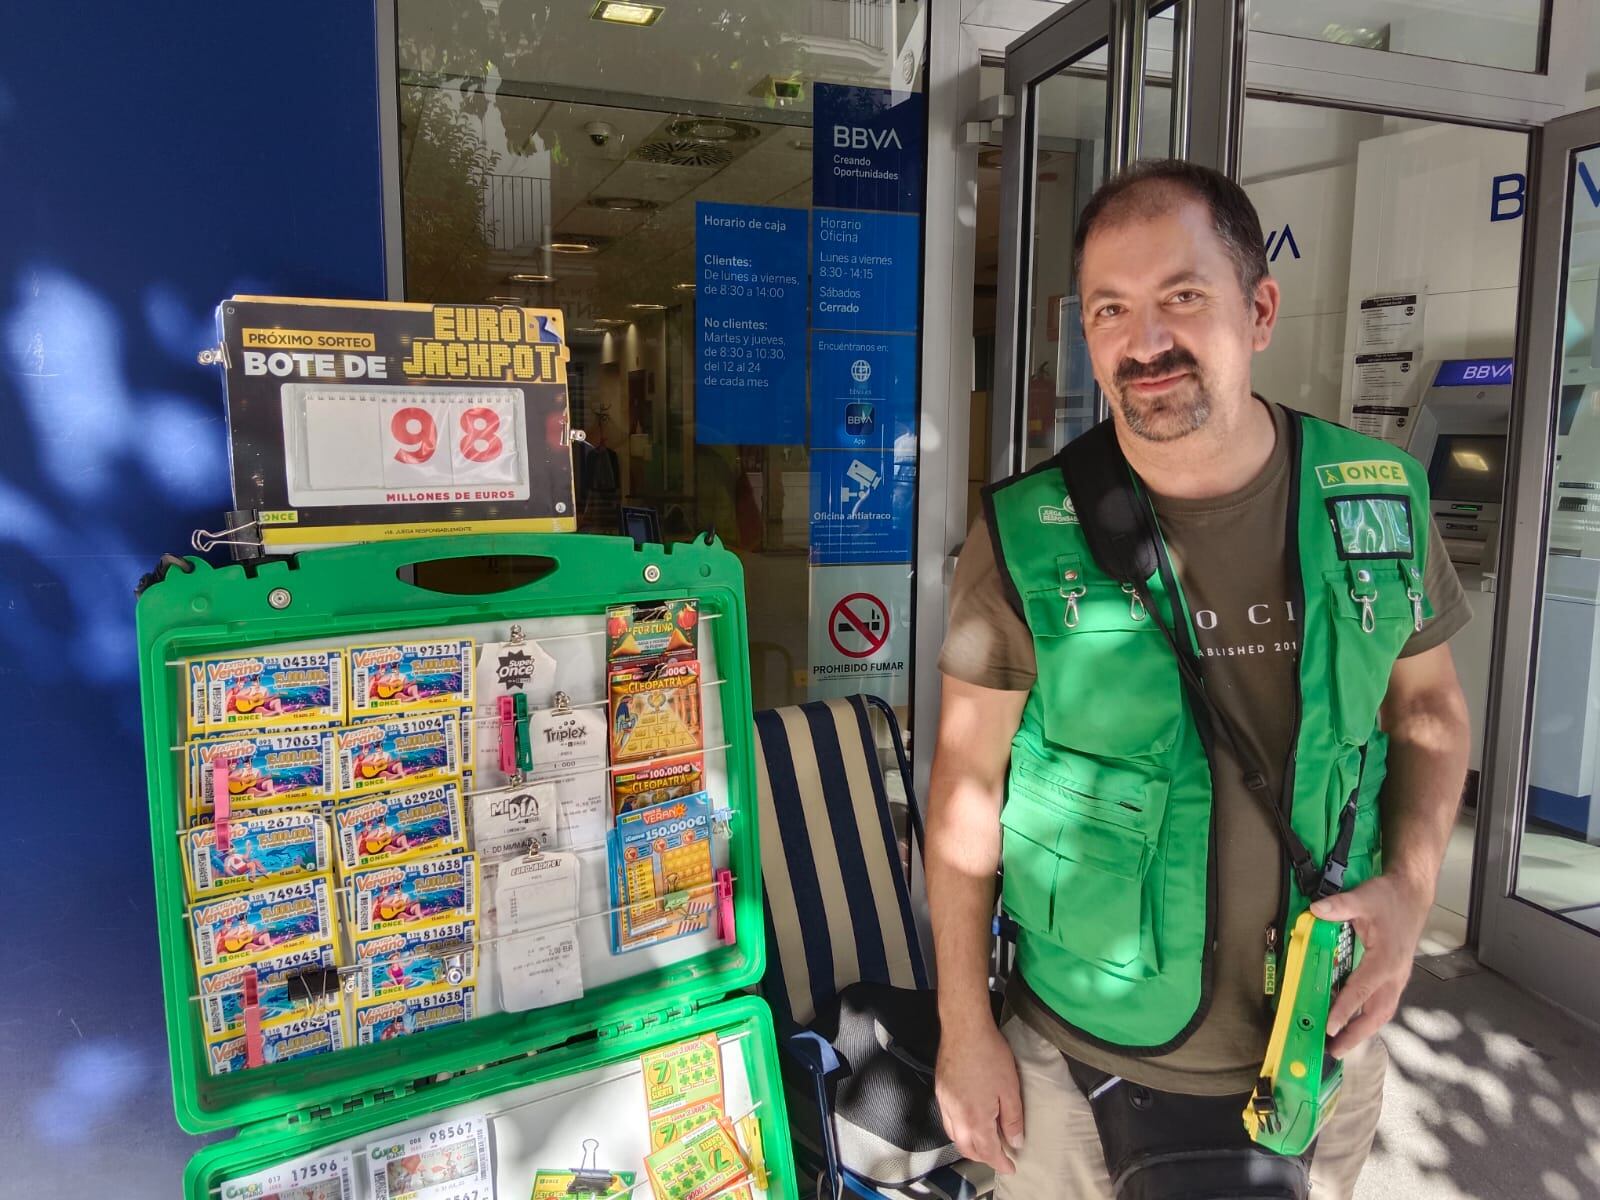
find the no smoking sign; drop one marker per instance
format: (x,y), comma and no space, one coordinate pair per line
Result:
(858,626)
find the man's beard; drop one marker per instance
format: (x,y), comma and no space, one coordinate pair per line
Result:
(1168,417)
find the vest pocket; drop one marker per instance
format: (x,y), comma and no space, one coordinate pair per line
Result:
(1079,882)
(1108,681)
(1371,620)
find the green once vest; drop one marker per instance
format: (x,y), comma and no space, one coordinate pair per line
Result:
(1108,829)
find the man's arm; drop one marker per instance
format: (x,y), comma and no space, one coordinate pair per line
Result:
(1425,716)
(979,1095)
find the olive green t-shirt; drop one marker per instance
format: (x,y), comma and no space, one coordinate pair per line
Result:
(1229,553)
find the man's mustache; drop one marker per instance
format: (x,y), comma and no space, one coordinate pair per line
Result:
(1168,362)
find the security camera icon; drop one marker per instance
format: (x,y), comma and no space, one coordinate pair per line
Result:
(866,480)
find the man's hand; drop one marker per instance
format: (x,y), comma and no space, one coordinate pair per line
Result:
(1389,913)
(980,1097)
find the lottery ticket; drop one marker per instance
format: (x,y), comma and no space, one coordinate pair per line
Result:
(303,688)
(404,751)
(324,1176)
(661,873)
(652,630)
(442,1162)
(514,666)
(411,893)
(445,952)
(251,925)
(399,825)
(561,740)
(313,1029)
(269,768)
(388,1017)
(511,821)
(655,710)
(549,1185)
(269,847)
(406,676)
(699,1166)
(653,782)
(683,1074)
(222,991)
(679,1123)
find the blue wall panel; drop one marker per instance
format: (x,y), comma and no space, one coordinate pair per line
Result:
(154,158)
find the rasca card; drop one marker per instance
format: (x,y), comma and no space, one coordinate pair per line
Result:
(514,820)
(505,668)
(313,1177)
(536,909)
(442,1162)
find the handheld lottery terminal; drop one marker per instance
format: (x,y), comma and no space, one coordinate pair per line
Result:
(454,889)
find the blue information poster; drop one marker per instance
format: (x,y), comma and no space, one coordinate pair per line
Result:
(867,148)
(864,270)
(750,304)
(863,390)
(862,503)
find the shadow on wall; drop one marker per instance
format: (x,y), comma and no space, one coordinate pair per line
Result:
(1492,1095)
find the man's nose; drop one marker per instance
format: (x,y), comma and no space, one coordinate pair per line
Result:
(1149,335)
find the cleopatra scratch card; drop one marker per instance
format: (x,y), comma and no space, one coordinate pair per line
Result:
(650,783)
(655,710)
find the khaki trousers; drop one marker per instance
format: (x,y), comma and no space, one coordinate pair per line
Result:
(1061,1155)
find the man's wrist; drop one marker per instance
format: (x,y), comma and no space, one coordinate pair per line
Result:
(1416,881)
(964,1008)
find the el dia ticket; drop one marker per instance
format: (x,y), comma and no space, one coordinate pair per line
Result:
(513,820)
(445,952)
(222,991)
(318,1029)
(399,825)
(268,768)
(304,688)
(411,893)
(406,751)
(441,1162)
(386,1018)
(250,925)
(262,848)
(324,1176)
(405,676)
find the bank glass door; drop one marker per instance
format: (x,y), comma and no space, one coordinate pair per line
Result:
(1096,86)
(1541,902)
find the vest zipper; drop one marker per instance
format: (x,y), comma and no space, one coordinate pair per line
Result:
(1298,593)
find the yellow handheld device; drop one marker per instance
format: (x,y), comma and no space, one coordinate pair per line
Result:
(1300,1080)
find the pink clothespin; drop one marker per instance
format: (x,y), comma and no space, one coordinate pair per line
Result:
(508,735)
(253,1056)
(222,803)
(725,925)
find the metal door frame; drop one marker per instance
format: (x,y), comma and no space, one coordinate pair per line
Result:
(1544,952)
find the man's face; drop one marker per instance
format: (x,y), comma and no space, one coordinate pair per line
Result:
(1169,329)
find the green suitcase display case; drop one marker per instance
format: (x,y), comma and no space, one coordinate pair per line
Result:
(506,1061)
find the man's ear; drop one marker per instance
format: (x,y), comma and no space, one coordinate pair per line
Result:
(1264,312)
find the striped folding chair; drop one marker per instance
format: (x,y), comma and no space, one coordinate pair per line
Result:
(839,904)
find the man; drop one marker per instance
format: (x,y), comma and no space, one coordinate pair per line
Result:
(1144,865)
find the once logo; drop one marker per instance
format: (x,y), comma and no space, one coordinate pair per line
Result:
(858,137)
(1373,471)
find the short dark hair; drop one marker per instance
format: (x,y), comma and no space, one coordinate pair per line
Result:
(1146,189)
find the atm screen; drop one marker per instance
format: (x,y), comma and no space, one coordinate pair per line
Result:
(1469,468)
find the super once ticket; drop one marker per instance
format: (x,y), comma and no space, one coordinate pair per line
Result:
(412,893)
(327,1176)
(407,751)
(250,925)
(303,688)
(399,825)
(404,676)
(443,1162)
(269,768)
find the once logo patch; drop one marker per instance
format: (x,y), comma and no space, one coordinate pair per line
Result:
(515,669)
(1350,474)
(1064,515)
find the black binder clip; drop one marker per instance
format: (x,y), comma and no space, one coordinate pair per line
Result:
(588,1179)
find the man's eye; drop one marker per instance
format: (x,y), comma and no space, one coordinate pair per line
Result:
(1185,296)
(1108,310)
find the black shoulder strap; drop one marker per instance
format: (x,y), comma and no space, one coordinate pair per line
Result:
(1123,538)
(1113,515)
